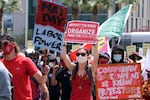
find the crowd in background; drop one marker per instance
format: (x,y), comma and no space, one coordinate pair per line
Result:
(47,75)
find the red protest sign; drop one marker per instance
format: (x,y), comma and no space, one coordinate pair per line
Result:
(81,32)
(49,26)
(118,81)
(51,14)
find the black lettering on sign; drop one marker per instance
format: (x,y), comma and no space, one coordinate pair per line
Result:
(53,44)
(37,32)
(52,18)
(54,35)
(40,33)
(49,7)
(50,33)
(54,15)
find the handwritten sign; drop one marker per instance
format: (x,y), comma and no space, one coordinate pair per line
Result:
(81,32)
(145,47)
(49,26)
(131,49)
(118,81)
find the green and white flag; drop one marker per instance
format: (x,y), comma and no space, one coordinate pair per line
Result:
(114,26)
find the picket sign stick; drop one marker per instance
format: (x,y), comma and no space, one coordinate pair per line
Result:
(45,57)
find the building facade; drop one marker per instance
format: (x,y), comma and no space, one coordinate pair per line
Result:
(23,23)
(139,19)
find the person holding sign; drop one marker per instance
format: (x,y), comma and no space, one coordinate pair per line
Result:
(22,68)
(81,78)
(135,57)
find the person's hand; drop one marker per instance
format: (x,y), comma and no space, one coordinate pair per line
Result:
(45,70)
(55,68)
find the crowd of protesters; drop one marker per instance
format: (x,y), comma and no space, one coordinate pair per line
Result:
(54,76)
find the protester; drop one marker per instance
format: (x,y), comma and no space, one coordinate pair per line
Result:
(104,58)
(5,83)
(39,91)
(54,88)
(60,83)
(117,54)
(81,80)
(135,57)
(22,68)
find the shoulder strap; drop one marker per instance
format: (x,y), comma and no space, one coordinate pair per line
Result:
(74,71)
(89,72)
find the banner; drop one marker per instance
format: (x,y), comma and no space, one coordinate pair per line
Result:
(118,81)
(103,45)
(81,32)
(49,26)
(114,26)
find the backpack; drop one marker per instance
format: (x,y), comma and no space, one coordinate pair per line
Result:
(89,73)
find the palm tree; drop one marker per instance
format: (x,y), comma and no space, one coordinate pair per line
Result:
(107,4)
(8,6)
(94,6)
(75,5)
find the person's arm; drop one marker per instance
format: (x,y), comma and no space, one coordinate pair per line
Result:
(95,59)
(42,77)
(5,84)
(66,59)
(45,91)
(53,78)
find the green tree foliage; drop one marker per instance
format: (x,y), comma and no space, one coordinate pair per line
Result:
(8,6)
(93,6)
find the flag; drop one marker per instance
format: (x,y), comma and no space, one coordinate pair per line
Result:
(103,45)
(73,53)
(114,26)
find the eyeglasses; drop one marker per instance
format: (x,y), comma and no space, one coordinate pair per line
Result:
(82,54)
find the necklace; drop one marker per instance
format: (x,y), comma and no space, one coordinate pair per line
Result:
(81,80)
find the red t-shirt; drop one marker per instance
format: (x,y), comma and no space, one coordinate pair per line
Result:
(81,88)
(21,68)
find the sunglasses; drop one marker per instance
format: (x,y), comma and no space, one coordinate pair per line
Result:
(5,43)
(82,54)
(5,37)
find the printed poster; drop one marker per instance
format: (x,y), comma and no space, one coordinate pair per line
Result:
(118,81)
(81,32)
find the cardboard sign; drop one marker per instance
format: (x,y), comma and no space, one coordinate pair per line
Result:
(49,26)
(81,32)
(130,49)
(118,81)
(145,47)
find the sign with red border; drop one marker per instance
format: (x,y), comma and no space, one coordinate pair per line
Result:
(81,32)
(118,81)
